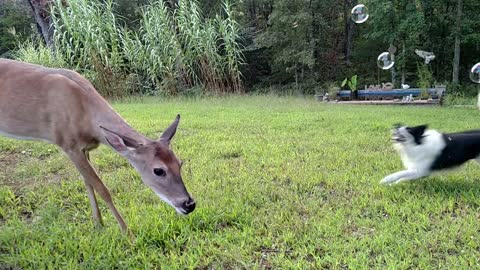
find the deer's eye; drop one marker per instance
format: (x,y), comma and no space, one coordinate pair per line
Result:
(159,172)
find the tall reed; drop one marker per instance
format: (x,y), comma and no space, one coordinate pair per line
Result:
(87,35)
(175,47)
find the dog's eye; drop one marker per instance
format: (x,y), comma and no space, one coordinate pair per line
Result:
(159,172)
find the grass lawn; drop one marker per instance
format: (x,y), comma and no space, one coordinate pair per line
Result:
(280,183)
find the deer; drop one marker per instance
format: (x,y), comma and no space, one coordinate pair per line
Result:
(61,107)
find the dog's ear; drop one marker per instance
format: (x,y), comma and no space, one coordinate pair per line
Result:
(417,132)
(419,129)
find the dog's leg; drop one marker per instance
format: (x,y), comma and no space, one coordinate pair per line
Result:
(406,175)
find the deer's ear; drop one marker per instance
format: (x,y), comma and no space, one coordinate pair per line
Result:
(168,134)
(119,142)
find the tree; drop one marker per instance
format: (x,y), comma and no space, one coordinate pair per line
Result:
(289,39)
(349,29)
(14,25)
(456,58)
(469,38)
(41,12)
(400,24)
(315,41)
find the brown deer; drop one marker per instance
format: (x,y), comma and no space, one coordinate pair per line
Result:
(61,107)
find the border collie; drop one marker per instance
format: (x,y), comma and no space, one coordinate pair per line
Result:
(426,151)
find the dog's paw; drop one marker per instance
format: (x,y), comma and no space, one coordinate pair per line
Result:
(388,181)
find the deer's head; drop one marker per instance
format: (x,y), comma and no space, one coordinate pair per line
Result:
(158,166)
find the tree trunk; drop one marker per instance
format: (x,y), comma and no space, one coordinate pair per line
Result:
(456,57)
(252,10)
(296,76)
(393,71)
(311,36)
(303,73)
(392,49)
(349,30)
(404,55)
(43,20)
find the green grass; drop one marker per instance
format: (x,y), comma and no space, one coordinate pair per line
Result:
(280,183)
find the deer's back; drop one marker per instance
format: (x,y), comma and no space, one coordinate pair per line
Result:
(43,103)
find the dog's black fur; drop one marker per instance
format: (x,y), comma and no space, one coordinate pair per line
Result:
(459,148)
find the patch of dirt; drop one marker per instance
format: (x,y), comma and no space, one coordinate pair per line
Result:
(27,216)
(9,159)
(231,155)
(225,224)
(264,263)
(360,232)
(10,162)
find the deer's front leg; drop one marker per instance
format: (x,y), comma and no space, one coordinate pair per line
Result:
(97,216)
(79,158)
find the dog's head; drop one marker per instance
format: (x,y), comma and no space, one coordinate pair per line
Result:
(408,135)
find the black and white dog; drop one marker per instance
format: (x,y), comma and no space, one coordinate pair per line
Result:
(425,151)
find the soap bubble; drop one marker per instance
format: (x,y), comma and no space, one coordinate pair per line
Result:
(475,73)
(385,60)
(359,13)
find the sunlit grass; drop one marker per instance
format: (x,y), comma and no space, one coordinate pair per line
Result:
(280,183)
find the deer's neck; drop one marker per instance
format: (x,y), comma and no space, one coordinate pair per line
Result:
(105,116)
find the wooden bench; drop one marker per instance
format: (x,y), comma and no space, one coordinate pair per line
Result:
(435,93)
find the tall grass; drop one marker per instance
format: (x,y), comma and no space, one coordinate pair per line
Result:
(201,42)
(180,47)
(230,33)
(155,51)
(174,48)
(88,36)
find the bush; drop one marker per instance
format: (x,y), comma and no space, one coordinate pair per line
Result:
(425,79)
(461,94)
(459,99)
(35,52)
(467,90)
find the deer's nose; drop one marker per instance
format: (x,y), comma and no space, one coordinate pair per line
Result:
(189,205)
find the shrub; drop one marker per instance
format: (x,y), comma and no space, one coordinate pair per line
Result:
(34,51)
